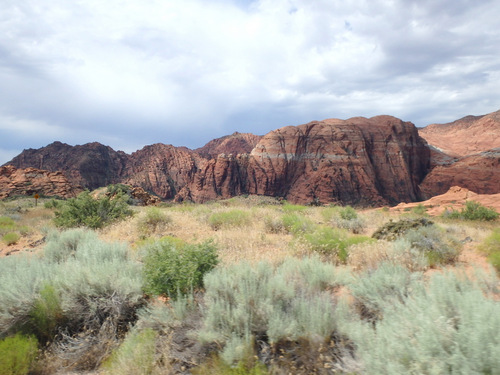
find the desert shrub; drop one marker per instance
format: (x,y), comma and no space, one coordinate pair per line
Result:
(86,298)
(11,238)
(297,224)
(91,212)
(394,229)
(491,247)
(245,304)
(17,354)
(273,225)
(448,326)
(7,225)
(293,208)
(227,219)
(135,355)
(348,213)
(330,241)
(438,246)
(419,209)
(472,211)
(374,289)
(46,314)
(217,366)
(53,204)
(152,220)
(174,267)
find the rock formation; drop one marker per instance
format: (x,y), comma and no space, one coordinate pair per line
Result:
(467,136)
(464,153)
(455,198)
(91,165)
(361,161)
(31,181)
(234,144)
(356,161)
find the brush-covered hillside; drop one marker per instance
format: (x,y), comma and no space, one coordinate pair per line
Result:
(250,285)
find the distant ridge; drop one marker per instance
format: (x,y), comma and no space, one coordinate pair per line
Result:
(360,161)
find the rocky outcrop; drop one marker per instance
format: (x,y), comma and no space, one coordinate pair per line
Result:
(234,144)
(467,136)
(30,181)
(454,199)
(91,165)
(161,169)
(356,161)
(479,173)
(464,153)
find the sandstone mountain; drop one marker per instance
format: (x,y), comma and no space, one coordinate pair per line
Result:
(31,181)
(467,136)
(236,143)
(362,161)
(464,153)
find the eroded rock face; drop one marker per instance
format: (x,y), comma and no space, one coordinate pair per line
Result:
(479,173)
(91,165)
(234,144)
(467,136)
(464,153)
(356,161)
(31,181)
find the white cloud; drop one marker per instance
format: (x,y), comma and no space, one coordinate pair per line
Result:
(182,72)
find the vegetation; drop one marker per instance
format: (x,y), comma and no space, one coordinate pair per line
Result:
(231,218)
(246,286)
(87,211)
(11,238)
(491,247)
(17,354)
(173,267)
(472,211)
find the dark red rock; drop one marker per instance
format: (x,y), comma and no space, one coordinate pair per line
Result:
(30,181)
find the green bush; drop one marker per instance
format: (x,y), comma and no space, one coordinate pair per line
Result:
(472,211)
(90,212)
(297,224)
(449,326)
(226,219)
(53,203)
(330,241)
(7,225)
(17,354)
(135,355)
(152,220)
(46,315)
(420,209)
(491,247)
(348,213)
(293,208)
(11,238)
(174,267)
(245,303)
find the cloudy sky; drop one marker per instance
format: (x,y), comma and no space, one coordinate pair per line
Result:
(128,73)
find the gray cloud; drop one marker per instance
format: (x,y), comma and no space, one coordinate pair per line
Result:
(130,73)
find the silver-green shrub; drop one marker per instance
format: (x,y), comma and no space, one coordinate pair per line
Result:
(86,280)
(448,326)
(265,302)
(385,285)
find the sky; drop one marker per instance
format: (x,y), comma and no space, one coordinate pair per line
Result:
(128,73)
